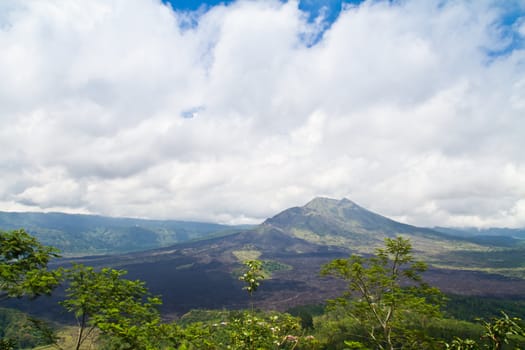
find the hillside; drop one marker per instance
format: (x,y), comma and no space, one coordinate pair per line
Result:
(343,223)
(499,236)
(295,244)
(298,241)
(76,234)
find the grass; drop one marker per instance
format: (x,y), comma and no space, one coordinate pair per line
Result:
(270,266)
(507,272)
(494,258)
(67,337)
(185,266)
(363,242)
(362,245)
(506,262)
(246,254)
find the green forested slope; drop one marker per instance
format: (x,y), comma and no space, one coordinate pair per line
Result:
(75,234)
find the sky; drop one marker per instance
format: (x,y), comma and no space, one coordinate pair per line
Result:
(233,111)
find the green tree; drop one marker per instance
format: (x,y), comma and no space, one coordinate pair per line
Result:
(252,276)
(7,344)
(461,344)
(499,330)
(244,330)
(497,333)
(259,330)
(387,296)
(119,308)
(24,265)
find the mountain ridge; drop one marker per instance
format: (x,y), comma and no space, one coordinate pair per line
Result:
(84,234)
(297,242)
(344,222)
(321,221)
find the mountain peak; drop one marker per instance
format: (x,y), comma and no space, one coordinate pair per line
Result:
(322,210)
(326,216)
(325,202)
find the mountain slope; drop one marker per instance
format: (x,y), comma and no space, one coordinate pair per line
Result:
(343,223)
(496,236)
(341,217)
(299,241)
(76,234)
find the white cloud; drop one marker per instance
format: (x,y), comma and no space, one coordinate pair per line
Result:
(397,107)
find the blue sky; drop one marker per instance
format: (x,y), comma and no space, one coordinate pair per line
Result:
(511,12)
(413,109)
(313,7)
(328,9)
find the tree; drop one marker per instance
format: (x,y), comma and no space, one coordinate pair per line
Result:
(252,276)
(259,330)
(386,294)
(497,333)
(7,344)
(499,330)
(23,265)
(120,308)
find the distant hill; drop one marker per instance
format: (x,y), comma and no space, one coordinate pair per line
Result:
(497,236)
(76,234)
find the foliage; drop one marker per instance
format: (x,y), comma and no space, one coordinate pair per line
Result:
(23,271)
(267,268)
(119,308)
(335,326)
(461,344)
(354,345)
(497,333)
(7,344)
(252,276)
(306,313)
(386,294)
(240,330)
(23,266)
(194,336)
(471,308)
(245,330)
(18,330)
(270,266)
(386,306)
(447,329)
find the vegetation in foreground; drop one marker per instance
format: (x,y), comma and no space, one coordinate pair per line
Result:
(386,306)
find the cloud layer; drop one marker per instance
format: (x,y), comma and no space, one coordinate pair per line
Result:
(130,108)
